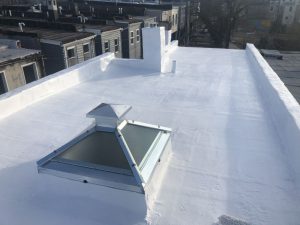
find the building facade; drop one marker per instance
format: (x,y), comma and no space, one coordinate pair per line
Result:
(131,38)
(108,39)
(18,66)
(60,49)
(285,11)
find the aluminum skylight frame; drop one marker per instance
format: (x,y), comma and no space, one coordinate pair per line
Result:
(110,176)
(152,157)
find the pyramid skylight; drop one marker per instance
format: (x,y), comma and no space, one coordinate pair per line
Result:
(114,153)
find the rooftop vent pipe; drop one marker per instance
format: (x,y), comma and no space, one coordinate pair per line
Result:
(21,26)
(60,10)
(82,18)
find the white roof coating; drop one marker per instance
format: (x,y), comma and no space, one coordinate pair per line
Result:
(110,110)
(228,156)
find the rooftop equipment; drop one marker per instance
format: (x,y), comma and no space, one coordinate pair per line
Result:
(114,153)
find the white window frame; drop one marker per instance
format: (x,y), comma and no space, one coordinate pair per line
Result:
(68,48)
(138,37)
(75,54)
(131,37)
(37,76)
(5,81)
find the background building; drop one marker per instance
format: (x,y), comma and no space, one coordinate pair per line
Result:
(108,38)
(18,66)
(131,37)
(60,49)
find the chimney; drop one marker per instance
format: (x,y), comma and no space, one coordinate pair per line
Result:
(156,48)
(52,9)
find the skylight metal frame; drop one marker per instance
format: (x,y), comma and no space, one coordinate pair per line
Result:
(93,172)
(143,173)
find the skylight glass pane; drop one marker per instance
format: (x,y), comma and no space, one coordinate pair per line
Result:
(139,139)
(101,148)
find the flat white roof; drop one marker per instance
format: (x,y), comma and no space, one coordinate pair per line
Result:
(228,157)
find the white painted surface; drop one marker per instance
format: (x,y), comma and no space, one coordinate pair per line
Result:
(283,109)
(156,52)
(228,156)
(26,95)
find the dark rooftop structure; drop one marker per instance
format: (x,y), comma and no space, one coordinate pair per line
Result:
(68,25)
(55,35)
(9,54)
(101,27)
(288,69)
(129,4)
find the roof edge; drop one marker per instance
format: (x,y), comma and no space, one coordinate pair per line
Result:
(282,107)
(24,96)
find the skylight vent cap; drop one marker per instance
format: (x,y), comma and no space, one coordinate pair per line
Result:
(108,115)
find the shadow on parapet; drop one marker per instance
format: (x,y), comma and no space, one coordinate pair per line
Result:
(29,198)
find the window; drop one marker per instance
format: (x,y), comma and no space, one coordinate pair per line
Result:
(173,20)
(86,48)
(291,9)
(71,57)
(106,46)
(30,72)
(116,45)
(131,37)
(71,53)
(86,51)
(139,146)
(122,157)
(137,35)
(176,21)
(93,147)
(3,86)
(286,17)
(272,8)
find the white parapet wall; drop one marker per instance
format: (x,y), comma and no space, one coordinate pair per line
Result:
(283,108)
(26,95)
